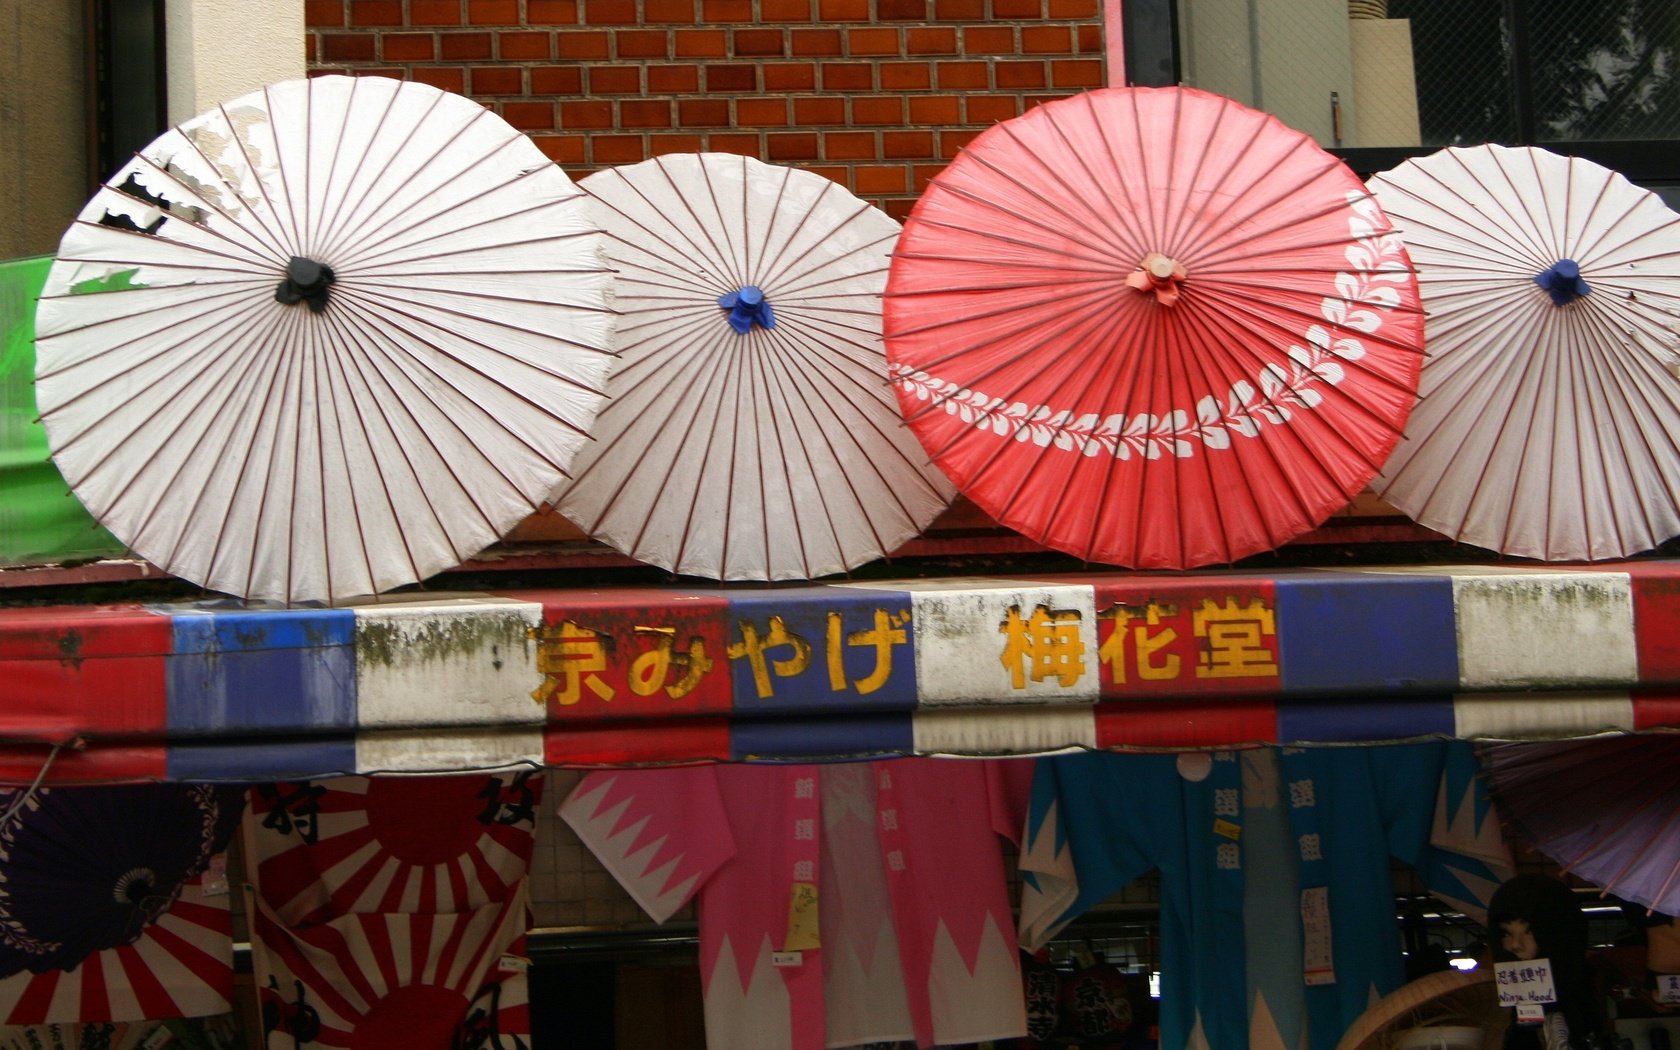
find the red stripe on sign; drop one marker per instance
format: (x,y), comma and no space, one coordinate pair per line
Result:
(1656,710)
(1203,723)
(429,889)
(631,653)
(1656,620)
(94,763)
(698,740)
(390,900)
(453,929)
(76,669)
(289,953)
(419,932)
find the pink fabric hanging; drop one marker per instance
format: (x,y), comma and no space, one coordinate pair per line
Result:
(838,904)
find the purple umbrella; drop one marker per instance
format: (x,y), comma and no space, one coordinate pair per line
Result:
(1605,810)
(83,869)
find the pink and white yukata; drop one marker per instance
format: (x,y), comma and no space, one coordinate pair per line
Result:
(838,904)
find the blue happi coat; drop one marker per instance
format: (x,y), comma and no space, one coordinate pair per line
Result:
(1261,839)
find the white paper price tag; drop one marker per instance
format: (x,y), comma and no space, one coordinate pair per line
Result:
(1319,964)
(1668,987)
(160,1038)
(1524,981)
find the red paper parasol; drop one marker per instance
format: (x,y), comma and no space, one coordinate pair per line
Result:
(1606,810)
(1153,327)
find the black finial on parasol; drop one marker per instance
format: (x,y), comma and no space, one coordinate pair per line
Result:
(306,282)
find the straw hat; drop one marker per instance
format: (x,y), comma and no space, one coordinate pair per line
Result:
(1450,1010)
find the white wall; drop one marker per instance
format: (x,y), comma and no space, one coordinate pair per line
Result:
(221,49)
(1282,56)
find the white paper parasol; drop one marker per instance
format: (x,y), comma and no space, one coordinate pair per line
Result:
(751,433)
(1606,809)
(328,338)
(1550,421)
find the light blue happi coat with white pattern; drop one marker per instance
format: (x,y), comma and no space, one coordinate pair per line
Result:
(1238,852)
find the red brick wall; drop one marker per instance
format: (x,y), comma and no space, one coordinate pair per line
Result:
(876,94)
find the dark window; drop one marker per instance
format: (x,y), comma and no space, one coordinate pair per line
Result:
(127,80)
(1380,80)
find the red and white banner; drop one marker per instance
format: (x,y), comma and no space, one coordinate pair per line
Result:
(379,982)
(354,845)
(181,966)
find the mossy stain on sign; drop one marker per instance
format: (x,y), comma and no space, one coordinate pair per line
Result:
(435,638)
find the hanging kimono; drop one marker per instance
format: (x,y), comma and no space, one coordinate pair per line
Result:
(839,904)
(1277,905)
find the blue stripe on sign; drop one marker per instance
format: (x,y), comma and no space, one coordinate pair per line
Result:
(270,760)
(821,650)
(806,739)
(289,670)
(1366,632)
(1376,719)
(205,631)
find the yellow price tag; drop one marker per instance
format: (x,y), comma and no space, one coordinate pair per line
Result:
(1227,829)
(802,919)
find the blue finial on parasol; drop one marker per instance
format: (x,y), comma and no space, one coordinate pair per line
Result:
(1563,282)
(747,307)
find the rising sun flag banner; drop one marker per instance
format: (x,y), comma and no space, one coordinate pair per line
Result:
(348,845)
(380,980)
(424,880)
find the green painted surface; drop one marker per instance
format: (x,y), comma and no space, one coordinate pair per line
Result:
(428,637)
(40,521)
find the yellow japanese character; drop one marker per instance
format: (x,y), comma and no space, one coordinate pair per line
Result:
(695,663)
(1146,639)
(1043,645)
(1235,639)
(888,631)
(568,657)
(752,648)
(649,671)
